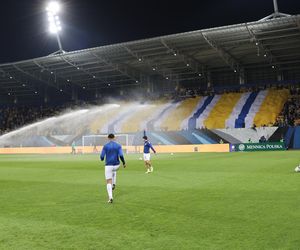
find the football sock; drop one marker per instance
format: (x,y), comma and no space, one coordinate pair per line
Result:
(109,190)
(114,178)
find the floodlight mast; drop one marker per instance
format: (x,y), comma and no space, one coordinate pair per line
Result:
(59,43)
(53,9)
(276,13)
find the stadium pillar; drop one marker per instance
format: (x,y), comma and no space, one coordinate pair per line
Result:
(242,77)
(74,93)
(46,96)
(149,85)
(280,76)
(97,93)
(276,11)
(208,79)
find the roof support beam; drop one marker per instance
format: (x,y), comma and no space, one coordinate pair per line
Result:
(187,59)
(79,67)
(55,73)
(15,80)
(276,13)
(226,57)
(297,22)
(165,73)
(116,85)
(121,68)
(260,47)
(38,78)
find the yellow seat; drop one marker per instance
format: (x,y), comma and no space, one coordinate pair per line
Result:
(222,110)
(174,119)
(271,107)
(143,112)
(102,118)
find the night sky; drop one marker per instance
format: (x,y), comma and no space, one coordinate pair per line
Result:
(88,23)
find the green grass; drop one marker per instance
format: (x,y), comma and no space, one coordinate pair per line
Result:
(191,201)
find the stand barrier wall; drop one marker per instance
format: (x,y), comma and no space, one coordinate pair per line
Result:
(130,149)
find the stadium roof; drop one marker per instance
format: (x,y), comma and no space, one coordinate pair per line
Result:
(179,57)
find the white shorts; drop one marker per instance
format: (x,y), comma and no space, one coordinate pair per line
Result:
(109,170)
(147,157)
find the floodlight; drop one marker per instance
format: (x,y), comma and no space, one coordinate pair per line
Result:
(53,7)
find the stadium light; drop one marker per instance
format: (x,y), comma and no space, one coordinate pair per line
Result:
(53,9)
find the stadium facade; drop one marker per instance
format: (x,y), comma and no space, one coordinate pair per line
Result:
(240,76)
(261,52)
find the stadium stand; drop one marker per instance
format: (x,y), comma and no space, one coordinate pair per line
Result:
(290,115)
(230,122)
(167,121)
(137,122)
(192,122)
(255,108)
(105,120)
(271,107)
(101,118)
(203,116)
(153,122)
(240,121)
(266,107)
(14,117)
(181,112)
(222,110)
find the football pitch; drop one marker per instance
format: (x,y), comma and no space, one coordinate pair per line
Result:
(191,201)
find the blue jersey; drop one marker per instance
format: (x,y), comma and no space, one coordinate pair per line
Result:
(112,151)
(147,146)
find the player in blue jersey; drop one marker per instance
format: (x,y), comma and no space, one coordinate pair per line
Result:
(112,152)
(147,156)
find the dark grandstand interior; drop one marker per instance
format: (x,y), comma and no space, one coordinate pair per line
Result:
(256,53)
(248,56)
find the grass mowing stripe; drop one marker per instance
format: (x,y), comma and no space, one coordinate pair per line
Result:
(191,201)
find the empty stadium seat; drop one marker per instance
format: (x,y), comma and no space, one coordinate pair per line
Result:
(222,110)
(271,107)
